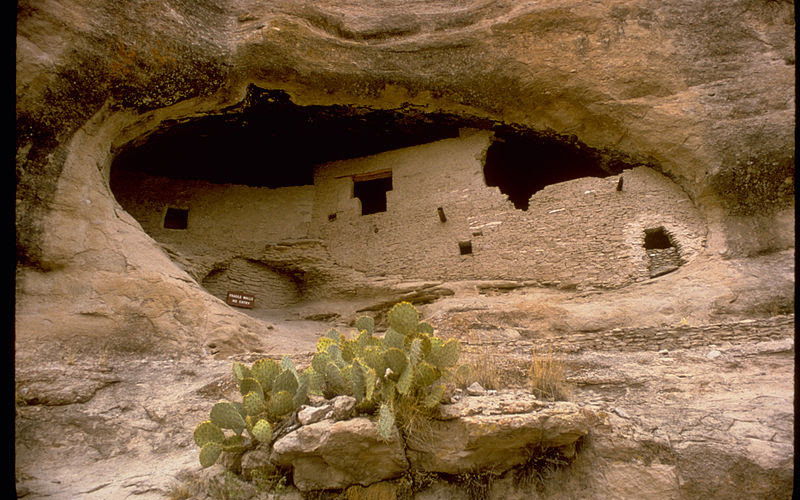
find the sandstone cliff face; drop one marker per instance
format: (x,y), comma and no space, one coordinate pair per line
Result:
(702,93)
(704,89)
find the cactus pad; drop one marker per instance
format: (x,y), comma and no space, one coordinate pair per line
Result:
(385,421)
(209,454)
(425,374)
(226,416)
(265,371)
(288,364)
(334,381)
(375,360)
(240,371)
(404,318)
(316,381)
(335,352)
(393,338)
(285,381)
(434,396)
(234,444)
(350,349)
(359,381)
(323,343)
(281,404)
(253,403)
(404,382)
(301,394)
(445,355)
(425,327)
(208,432)
(365,323)
(396,360)
(415,353)
(262,431)
(250,384)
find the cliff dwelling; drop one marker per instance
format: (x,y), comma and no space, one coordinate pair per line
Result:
(445,198)
(405,250)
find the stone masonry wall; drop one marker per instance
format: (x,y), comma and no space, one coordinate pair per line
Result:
(228,225)
(226,218)
(577,233)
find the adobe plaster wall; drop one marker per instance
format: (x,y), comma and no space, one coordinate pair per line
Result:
(576,233)
(228,225)
(224,218)
(580,233)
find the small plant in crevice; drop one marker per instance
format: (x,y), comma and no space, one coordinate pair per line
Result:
(476,484)
(542,465)
(414,481)
(270,393)
(228,486)
(274,482)
(377,491)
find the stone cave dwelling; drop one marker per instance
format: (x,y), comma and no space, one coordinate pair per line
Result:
(610,179)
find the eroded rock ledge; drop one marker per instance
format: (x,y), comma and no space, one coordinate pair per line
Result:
(494,433)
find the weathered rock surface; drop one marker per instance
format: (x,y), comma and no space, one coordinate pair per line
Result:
(704,90)
(330,455)
(495,432)
(678,423)
(113,333)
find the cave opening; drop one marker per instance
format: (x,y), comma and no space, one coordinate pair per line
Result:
(522,162)
(268,141)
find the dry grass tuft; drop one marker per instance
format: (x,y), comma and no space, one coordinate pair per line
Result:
(179,492)
(484,368)
(415,422)
(546,377)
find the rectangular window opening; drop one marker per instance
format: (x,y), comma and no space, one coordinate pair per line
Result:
(465,247)
(176,218)
(371,190)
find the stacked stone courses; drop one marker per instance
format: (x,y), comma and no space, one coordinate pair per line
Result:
(582,233)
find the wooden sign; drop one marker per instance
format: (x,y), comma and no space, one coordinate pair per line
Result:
(240,299)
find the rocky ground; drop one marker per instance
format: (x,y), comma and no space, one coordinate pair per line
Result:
(676,418)
(688,410)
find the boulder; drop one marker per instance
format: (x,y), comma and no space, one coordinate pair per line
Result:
(495,432)
(330,455)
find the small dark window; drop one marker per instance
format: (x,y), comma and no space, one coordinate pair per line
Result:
(657,238)
(176,218)
(371,190)
(662,255)
(465,247)
(331,217)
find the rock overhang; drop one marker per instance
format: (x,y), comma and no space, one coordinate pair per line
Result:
(623,75)
(711,107)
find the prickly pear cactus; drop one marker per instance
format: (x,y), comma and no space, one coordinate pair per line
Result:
(365,323)
(409,363)
(270,392)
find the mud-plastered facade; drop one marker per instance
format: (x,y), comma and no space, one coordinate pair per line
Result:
(423,212)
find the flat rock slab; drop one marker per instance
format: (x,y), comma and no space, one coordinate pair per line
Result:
(495,432)
(328,455)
